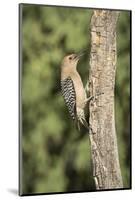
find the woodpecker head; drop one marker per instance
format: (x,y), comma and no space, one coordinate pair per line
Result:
(71,60)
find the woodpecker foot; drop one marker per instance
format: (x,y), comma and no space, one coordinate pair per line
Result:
(91,98)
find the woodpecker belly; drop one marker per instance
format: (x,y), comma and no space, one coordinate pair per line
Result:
(79,91)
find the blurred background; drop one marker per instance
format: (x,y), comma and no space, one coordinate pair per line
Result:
(56,157)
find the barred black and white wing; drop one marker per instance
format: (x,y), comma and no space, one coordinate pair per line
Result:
(68,92)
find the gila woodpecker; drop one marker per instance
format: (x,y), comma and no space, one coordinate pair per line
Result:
(72,89)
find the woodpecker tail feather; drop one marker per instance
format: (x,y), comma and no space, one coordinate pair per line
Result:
(78,124)
(84,122)
(81,119)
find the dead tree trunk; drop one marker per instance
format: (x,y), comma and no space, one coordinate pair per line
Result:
(104,150)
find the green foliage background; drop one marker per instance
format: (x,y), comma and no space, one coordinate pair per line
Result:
(56,157)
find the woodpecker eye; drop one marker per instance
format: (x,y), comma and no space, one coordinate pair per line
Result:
(70,58)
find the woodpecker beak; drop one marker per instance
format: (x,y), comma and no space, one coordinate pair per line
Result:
(79,55)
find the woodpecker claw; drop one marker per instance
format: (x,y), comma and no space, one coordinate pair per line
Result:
(93,97)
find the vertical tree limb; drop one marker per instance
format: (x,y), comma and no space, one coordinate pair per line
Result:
(105,159)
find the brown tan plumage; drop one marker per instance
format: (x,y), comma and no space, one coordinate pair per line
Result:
(72,89)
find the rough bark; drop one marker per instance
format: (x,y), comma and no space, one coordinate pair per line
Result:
(102,134)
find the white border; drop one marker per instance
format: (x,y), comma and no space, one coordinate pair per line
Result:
(9,98)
